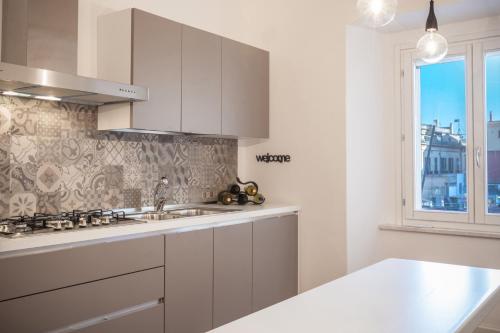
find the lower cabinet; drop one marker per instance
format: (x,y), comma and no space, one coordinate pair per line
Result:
(232,273)
(84,303)
(189,281)
(215,276)
(275,260)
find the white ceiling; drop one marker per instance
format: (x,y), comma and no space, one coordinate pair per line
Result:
(412,14)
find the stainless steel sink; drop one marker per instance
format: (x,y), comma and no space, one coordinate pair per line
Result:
(199,211)
(157,216)
(181,212)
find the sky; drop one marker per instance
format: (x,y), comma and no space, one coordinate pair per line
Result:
(443,91)
(493,85)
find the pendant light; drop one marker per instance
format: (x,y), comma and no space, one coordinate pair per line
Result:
(377,13)
(432,47)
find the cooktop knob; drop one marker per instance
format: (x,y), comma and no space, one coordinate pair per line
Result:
(96,222)
(69,224)
(106,220)
(82,223)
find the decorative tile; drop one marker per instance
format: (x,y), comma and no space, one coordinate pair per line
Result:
(73,200)
(132,173)
(4,189)
(224,175)
(78,120)
(4,178)
(24,121)
(150,151)
(48,150)
(5,119)
(22,204)
(180,194)
(53,158)
(150,178)
(114,176)
(23,149)
(4,149)
(73,150)
(49,177)
(49,121)
(180,154)
(95,198)
(132,176)
(95,181)
(132,198)
(72,178)
(201,175)
(112,152)
(22,177)
(181,175)
(49,203)
(113,198)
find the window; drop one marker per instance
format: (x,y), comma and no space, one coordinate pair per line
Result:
(492,105)
(439,110)
(451,126)
(438,115)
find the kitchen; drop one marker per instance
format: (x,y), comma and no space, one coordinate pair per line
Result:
(226,82)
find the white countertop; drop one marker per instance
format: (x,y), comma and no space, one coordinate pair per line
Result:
(393,296)
(42,242)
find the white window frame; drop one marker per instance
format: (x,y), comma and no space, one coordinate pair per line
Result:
(481,49)
(476,217)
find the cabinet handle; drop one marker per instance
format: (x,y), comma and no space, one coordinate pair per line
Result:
(478,155)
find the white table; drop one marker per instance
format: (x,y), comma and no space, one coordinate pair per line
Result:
(393,296)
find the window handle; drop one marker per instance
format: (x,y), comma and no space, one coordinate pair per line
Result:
(478,155)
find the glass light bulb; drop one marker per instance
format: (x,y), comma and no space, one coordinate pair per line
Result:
(432,47)
(377,13)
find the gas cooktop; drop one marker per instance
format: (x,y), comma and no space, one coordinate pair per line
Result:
(19,226)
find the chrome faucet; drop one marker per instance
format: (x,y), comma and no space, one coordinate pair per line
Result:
(159,202)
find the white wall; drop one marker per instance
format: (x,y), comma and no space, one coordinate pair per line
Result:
(307,44)
(372,131)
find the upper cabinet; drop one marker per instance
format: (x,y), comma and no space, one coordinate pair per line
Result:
(156,63)
(198,82)
(144,49)
(245,90)
(201,81)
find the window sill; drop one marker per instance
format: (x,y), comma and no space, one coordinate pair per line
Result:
(440,231)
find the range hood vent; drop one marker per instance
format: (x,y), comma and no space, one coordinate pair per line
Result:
(39,83)
(39,56)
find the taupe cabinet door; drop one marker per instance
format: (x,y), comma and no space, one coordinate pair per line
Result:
(38,272)
(201,81)
(245,90)
(232,273)
(156,64)
(61,308)
(188,281)
(275,260)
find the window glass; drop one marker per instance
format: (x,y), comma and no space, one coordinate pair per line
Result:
(492,107)
(443,136)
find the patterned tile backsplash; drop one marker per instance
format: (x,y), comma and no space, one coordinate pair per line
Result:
(52,158)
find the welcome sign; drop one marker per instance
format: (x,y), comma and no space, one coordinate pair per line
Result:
(268,158)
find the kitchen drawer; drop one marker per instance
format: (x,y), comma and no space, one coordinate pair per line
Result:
(29,274)
(147,321)
(64,307)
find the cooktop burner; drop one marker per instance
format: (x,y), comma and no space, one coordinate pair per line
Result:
(18,226)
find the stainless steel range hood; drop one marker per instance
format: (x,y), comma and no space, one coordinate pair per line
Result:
(40,34)
(39,83)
